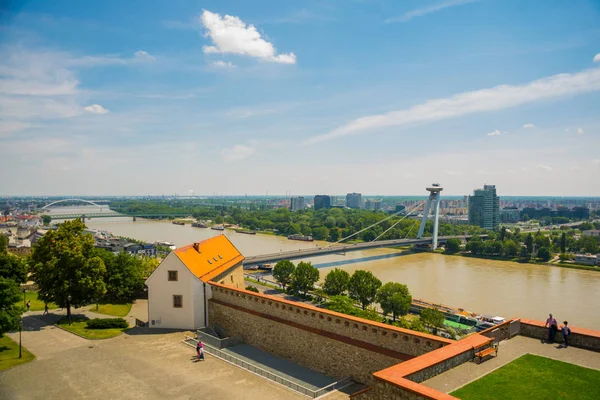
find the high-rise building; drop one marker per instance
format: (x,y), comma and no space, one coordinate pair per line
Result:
(377,205)
(297,203)
(354,200)
(484,207)
(373,204)
(322,201)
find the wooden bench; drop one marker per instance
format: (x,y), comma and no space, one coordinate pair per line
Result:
(486,352)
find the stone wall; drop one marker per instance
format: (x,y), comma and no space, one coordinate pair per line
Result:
(370,335)
(580,337)
(326,355)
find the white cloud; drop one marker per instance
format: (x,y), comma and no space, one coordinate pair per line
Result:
(597,58)
(143,56)
(96,109)
(407,16)
(529,126)
(596,161)
(543,167)
(579,131)
(237,152)
(497,98)
(495,133)
(223,64)
(231,35)
(575,168)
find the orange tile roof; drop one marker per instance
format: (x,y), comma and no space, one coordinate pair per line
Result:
(210,258)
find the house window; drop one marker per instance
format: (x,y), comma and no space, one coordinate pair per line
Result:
(231,278)
(177,301)
(172,275)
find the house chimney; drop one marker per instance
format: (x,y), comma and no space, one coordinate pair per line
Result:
(197,247)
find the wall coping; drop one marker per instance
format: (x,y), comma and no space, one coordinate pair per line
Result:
(363,321)
(396,374)
(574,329)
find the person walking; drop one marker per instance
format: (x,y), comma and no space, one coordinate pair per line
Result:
(200,350)
(566,331)
(552,326)
(28,305)
(45,309)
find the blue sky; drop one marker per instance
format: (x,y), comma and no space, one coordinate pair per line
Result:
(233,97)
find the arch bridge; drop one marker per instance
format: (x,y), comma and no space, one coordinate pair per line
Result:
(67,200)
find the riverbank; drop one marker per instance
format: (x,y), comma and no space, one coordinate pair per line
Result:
(521,261)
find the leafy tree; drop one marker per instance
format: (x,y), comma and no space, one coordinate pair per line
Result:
(283,272)
(342,304)
(363,286)
(433,318)
(529,242)
(563,243)
(510,248)
(334,235)
(544,253)
(452,245)
(3,243)
(336,282)
(12,267)
(502,233)
(588,244)
(148,265)
(475,247)
(394,298)
(64,264)
(219,219)
(10,312)
(304,277)
(46,219)
(524,254)
(417,325)
(124,276)
(320,233)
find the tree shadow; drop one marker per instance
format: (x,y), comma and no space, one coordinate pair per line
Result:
(4,348)
(139,330)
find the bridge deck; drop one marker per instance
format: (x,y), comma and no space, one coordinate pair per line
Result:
(339,248)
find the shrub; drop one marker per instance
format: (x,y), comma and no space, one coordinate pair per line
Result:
(107,323)
(252,289)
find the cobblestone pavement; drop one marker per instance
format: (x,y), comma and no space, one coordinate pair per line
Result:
(510,350)
(140,364)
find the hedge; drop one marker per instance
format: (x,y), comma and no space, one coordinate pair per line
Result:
(107,323)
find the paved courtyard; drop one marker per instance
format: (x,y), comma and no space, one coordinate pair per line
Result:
(510,350)
(137,365)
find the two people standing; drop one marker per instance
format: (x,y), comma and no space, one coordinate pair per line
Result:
(552,326)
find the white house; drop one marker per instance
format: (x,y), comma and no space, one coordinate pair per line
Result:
(177,289)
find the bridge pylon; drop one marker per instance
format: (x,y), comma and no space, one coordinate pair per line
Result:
(434,198)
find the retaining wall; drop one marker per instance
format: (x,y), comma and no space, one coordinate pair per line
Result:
(336,344)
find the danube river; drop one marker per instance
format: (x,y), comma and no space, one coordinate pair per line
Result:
(483,286)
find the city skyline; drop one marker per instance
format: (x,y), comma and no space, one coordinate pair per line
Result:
(380,98)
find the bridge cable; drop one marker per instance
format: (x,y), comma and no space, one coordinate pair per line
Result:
(401,219)
(370,226)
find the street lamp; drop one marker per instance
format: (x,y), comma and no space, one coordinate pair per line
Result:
(20,330)
(69,308)
(23,289)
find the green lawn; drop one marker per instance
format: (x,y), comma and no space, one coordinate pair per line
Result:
(533,377)
(9,354)
(78,327)
(36,305)
(117,310)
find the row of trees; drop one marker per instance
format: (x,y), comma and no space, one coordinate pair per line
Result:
(325,224)
(13,272)
(362,287)
(524,246)
(70,270)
